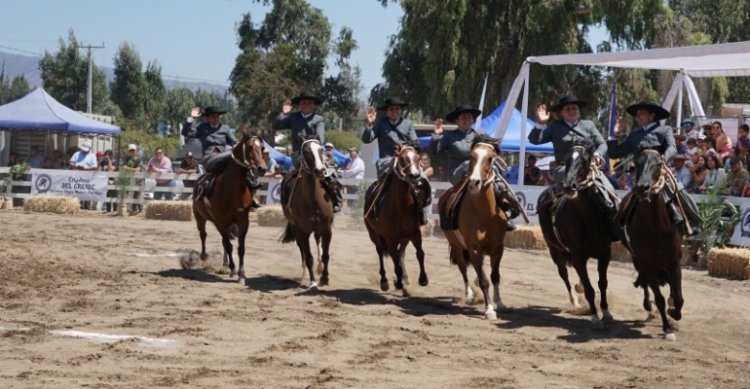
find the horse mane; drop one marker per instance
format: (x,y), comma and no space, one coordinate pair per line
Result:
(482,138)
(585,143)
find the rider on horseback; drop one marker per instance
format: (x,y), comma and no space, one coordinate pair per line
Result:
(650,134)
(458,145)
(563,133)
(389,132)
(306,123)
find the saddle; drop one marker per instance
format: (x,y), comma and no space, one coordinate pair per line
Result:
(287,187)
(449,208)
(375,195)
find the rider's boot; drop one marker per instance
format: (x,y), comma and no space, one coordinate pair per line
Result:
(333,188)
(500,193)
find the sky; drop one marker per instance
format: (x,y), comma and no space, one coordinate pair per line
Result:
(190,39)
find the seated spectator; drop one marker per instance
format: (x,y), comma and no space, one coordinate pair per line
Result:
(681,171)
(688,129)
(723,144)
(36,161)
(189,165)
(532,175)
(692,151)
(736,178)
(83,159)
(699,174)
(679,141)
(715,174)
(160,164)
(57,161)
(14,159)
(620,179)
(743,143)
(274,170)
(425,162)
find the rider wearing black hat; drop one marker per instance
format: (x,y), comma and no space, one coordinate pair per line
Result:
(213,134)
(650,134)
(303,124)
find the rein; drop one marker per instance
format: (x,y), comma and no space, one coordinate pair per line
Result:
(397,170)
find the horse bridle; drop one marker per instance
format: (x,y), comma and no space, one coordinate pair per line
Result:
(244,163)
(399,170)
(593,170)
(493,175)
(304,164)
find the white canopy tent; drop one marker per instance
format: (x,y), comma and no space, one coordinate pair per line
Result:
(720,60)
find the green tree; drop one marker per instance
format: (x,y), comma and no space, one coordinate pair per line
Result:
(129,85)
(340,92)
(155,95)
(179,101)
(19,87)
(64,77)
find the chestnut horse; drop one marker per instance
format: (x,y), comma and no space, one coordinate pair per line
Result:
(397,221)
(309,210)
(481,226)
(654,242)
(228,204)
(581,229)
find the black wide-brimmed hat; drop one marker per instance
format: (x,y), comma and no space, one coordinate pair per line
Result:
(652,107)
(212,110)
(307,96)
(565,100)
(451,117)
(392,101)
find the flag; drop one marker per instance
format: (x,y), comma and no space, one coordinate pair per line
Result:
(611,121)
(481,103)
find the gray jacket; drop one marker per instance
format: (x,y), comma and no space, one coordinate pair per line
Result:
(210,137)
(562,137)
(314,125)
(458,146)
(655,136)
(389,135)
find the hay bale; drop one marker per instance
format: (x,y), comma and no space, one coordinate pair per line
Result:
(526,238)
(170,210)
(271,216)
(729,262)
(52,204)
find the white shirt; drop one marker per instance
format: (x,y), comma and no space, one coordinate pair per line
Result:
(356,169)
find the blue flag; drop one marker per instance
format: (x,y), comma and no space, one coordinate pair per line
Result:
(611,121)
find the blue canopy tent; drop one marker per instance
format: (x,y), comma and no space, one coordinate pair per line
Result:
(512,139)
(38,111)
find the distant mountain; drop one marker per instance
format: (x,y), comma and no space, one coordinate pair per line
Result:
(16,64)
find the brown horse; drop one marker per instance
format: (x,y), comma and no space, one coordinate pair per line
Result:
(309,210)
(481,226)
(397,221)
(654,242)
(581,229)
(228,204)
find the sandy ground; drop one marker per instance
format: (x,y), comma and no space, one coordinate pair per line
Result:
(120,276)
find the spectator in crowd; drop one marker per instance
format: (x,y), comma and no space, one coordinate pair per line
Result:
(83,159)
(620,179)
(707,145)
(699,174)
(354,169)
(36,161)
(679,143)
(57,161)
(736,178)
(328,156)
(688,128)
(723,144)
(274,170)
(692,151)
(189,165)
(132,162)
(715,174)
(743,143)
(681,171)
(107,164)
(47,163)
(425,162)
(532,175)
(14,159)
(160,164)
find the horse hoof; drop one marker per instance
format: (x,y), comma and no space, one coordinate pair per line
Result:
(313,286)
(674,313)
(204,256)
(241,275)
(323,282)
(490,315)
(384,285)
(423,281)
(670,337)
(597,324)
(607,318)
(405,293)
(398,285)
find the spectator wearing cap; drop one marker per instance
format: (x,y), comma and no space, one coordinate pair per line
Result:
(36,161)
(132,162)
(273,166)
(328,158)
(160,164)
(681,171)
(736,178)
(83,159)
(688,129)
(189,165)
(679,143)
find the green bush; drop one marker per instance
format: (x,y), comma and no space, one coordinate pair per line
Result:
(343,140)
(148,142)
(719,218)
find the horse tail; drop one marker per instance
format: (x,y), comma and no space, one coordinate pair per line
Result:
(288,235)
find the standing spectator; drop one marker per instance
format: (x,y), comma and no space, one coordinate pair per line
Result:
(532,175)
(274,170)
(355,168)
(736,178)
(328,158)
(83,159)
(189,165)
(106,164)
(681,171)
(36,161)
(160,164)
(132,162)
(715,174)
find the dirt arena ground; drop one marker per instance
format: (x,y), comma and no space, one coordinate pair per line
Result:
(121,276)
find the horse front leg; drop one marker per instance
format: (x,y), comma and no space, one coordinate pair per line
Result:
(675,292)
(303,242)
(228,254)
(201,224)
(461,258)
(661,306)
(241,249)
(325,245)
(495,277)
(401,254)
(380,248)
(489,309)
(588,291)
(417,242)
(602,265)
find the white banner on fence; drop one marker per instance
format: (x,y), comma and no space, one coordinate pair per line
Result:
(89,186)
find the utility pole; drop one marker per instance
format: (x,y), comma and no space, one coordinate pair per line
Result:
(90,73)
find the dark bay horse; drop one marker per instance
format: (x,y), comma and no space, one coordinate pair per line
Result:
(481,227)
(580,229)
(309,210)
(397,221)
(654,242)
(228,204)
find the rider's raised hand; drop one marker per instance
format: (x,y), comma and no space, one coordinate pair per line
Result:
(542,114)
(371,114)
(195,112)
(286,107)
(438,130)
